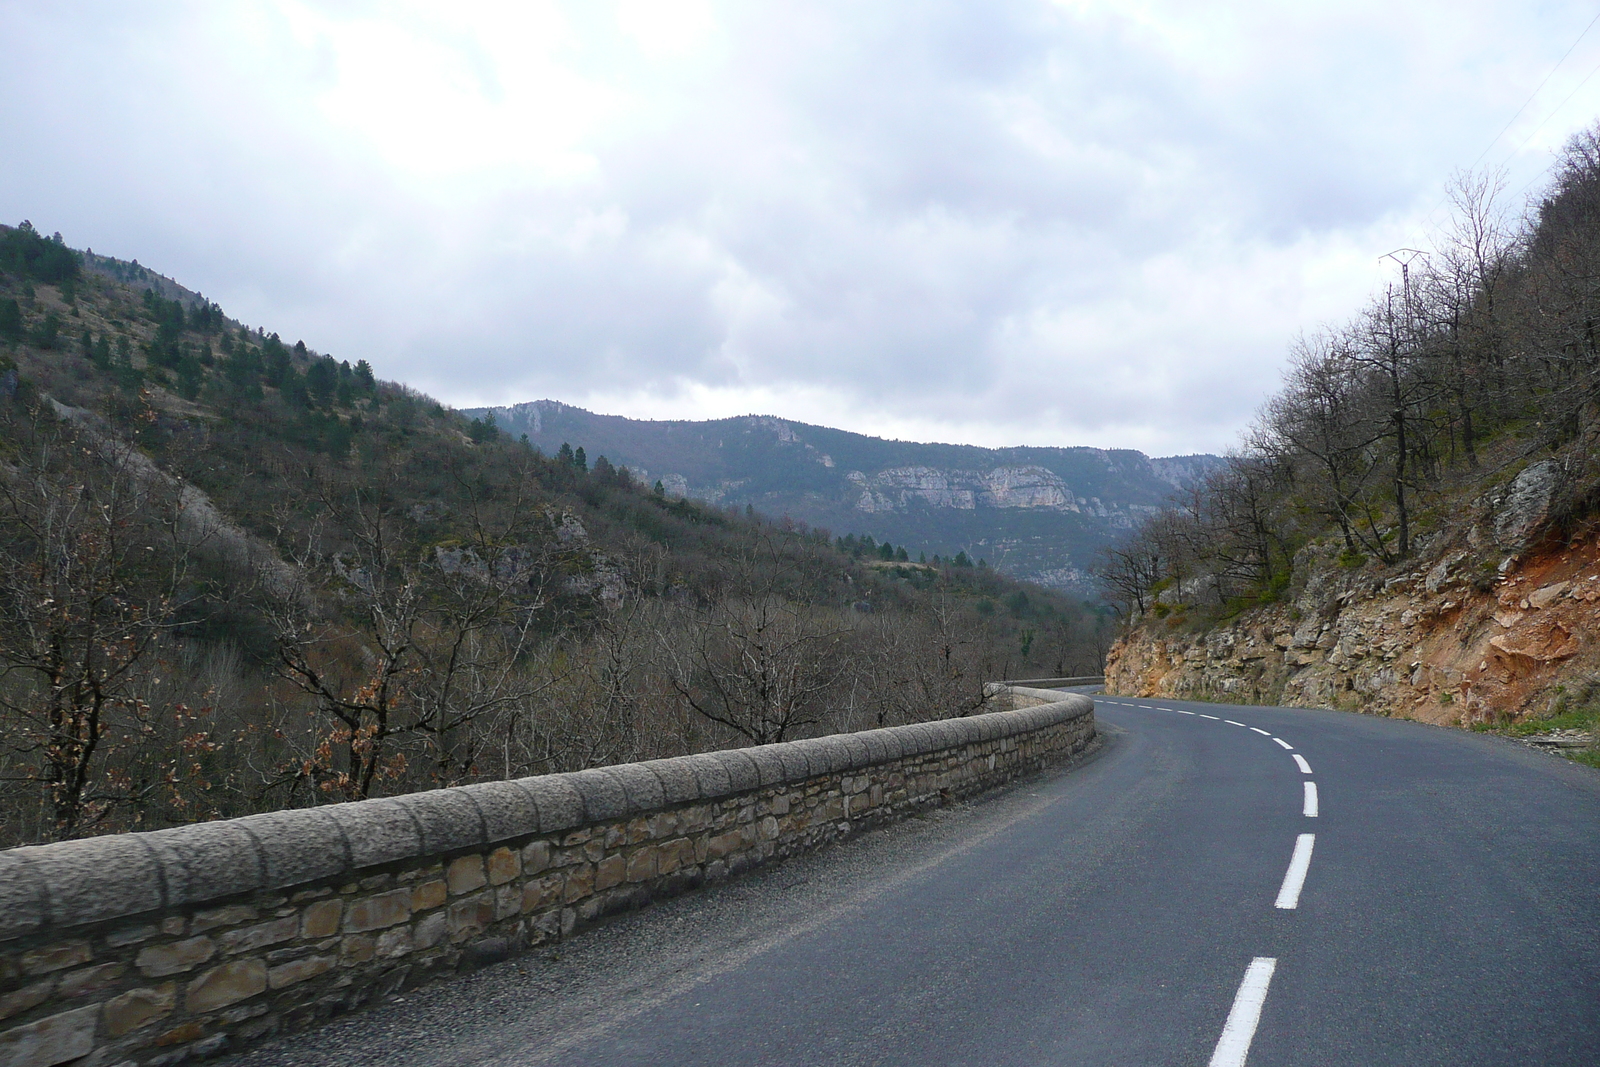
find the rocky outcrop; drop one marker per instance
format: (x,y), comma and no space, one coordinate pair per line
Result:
(1460,640)
(1025,487)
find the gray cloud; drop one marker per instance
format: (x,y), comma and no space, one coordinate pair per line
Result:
(904,218)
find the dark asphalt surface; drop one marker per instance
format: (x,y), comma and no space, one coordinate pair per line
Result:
(1101,915)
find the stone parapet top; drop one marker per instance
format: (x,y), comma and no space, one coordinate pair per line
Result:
(73,883)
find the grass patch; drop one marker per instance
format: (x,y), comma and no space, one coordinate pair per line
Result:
(1564,716)
(1567,712)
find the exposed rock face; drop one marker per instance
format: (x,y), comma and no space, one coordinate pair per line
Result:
(1180,472)
(1032,487)
(1027,487)
(1453,643)
(1004,487)
(897,486)
(1527,503)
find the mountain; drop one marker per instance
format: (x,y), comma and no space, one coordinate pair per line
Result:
(1036,513)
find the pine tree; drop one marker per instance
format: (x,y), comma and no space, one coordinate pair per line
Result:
(10,320)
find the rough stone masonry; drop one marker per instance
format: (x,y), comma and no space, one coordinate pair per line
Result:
(153,948)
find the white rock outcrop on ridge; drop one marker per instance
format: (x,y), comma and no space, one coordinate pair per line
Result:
(1027,487)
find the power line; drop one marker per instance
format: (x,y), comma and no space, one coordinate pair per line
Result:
(1531,97)
(1553,113)
(1536,92)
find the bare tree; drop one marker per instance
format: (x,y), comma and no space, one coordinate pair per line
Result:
(92,572)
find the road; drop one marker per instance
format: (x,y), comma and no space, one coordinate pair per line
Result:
(1214,884)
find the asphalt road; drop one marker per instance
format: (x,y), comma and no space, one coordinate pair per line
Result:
(1169,901)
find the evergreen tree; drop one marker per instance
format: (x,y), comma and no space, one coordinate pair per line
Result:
(190,377)
(564,455)
(579,460)
(48,332)
(10,320)
(29,255)
(322,377)
(277,370)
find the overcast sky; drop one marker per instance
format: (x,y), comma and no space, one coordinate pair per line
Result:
(997,223)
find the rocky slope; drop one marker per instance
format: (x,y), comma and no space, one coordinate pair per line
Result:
(1036,513)
(1494,620)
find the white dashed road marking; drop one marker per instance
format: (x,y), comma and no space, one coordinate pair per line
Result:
(1234,1044)
(1295,877)
(1240,1029)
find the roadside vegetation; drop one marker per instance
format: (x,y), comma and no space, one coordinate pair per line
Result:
(238,574)
(1573,716)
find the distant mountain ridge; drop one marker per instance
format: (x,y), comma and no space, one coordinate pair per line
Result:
(1036,513)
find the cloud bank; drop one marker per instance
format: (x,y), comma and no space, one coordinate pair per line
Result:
(1002,223)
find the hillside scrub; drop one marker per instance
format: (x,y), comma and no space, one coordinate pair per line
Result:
(1471,383)
(237,574)
(1409,527)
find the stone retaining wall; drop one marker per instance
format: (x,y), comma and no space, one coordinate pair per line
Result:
(1056,683)
(152,948)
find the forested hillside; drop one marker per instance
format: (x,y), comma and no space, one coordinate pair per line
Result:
(237,574)
(1040,514)
(1409,524)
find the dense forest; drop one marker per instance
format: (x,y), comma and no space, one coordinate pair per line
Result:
(237,575)
(1478,361)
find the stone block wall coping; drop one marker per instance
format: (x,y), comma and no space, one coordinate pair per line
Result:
(73,883)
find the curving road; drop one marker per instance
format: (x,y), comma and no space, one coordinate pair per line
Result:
(1216,883)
